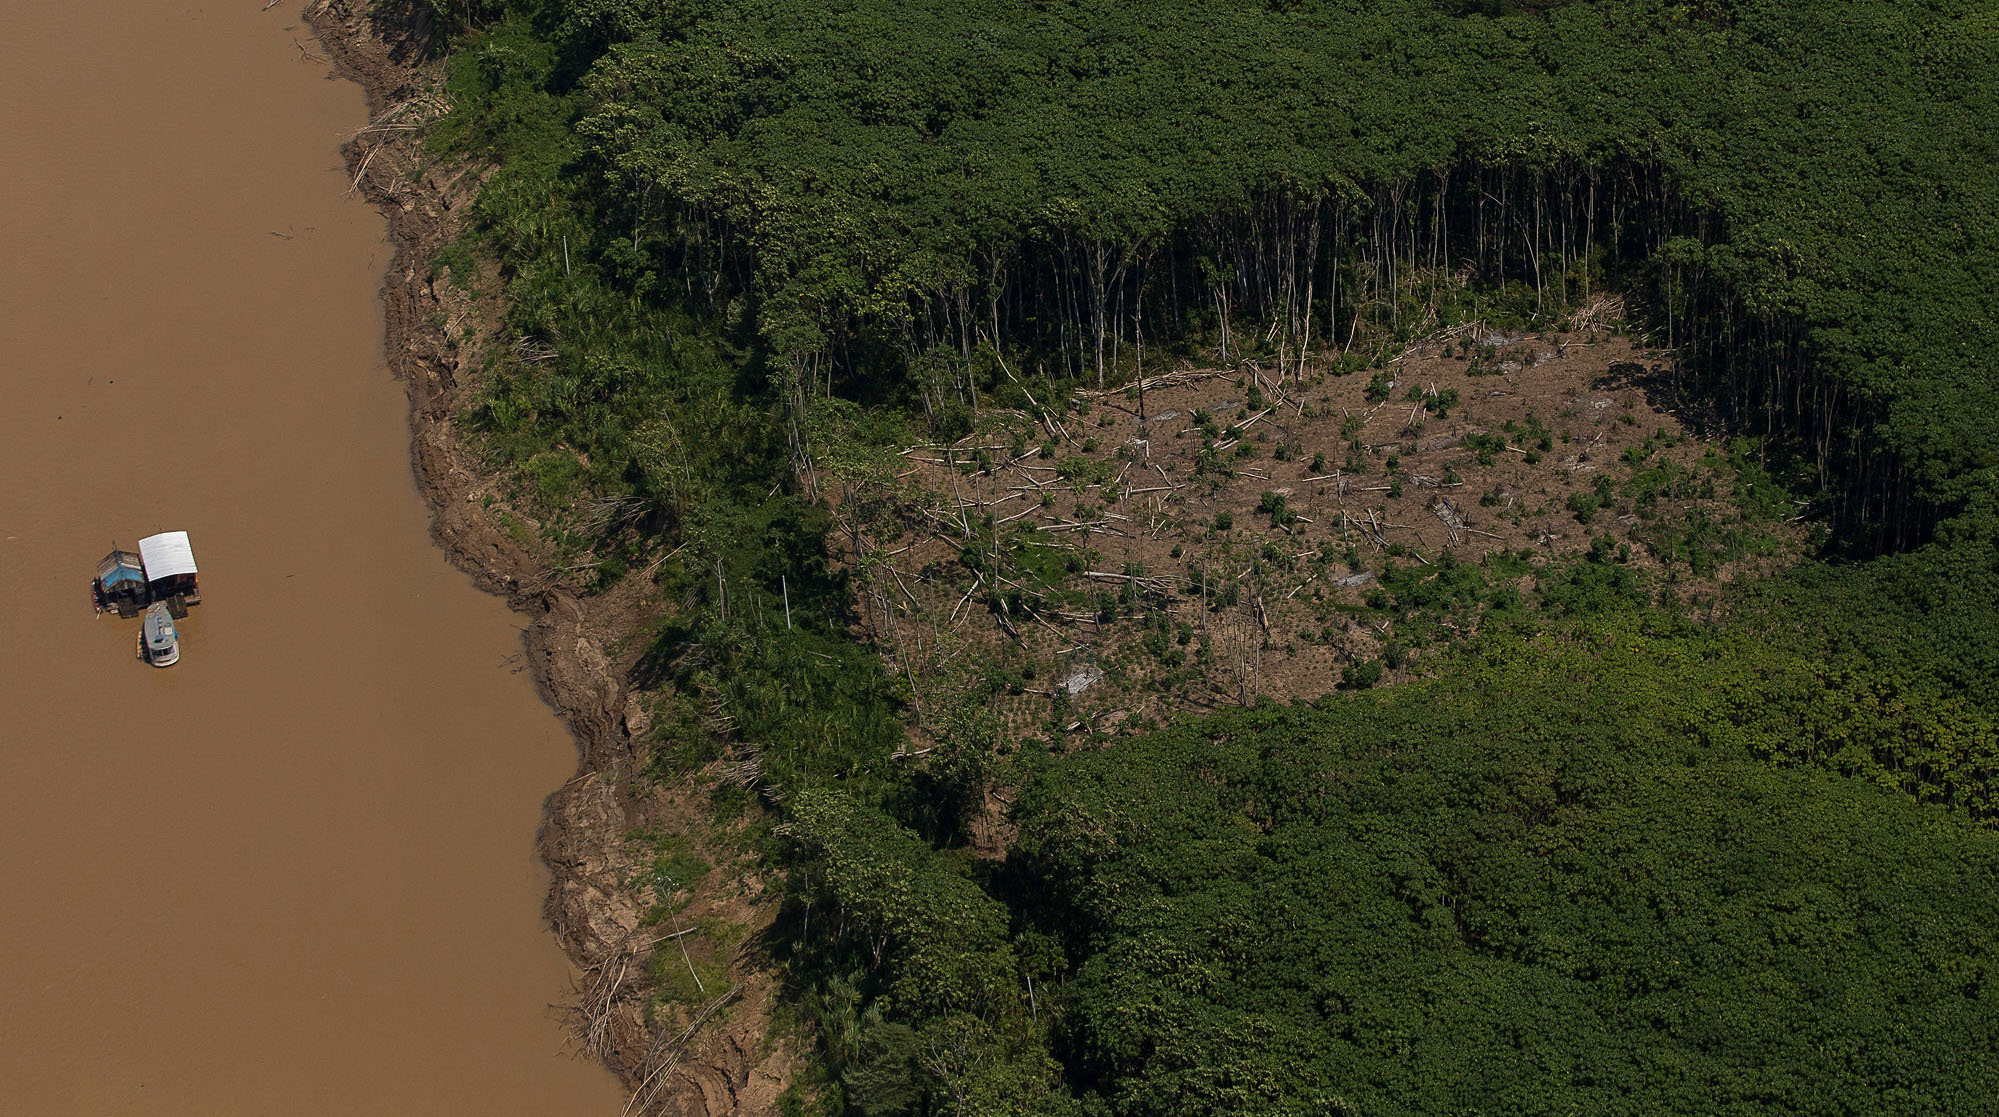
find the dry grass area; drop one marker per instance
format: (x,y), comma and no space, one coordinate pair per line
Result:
(1234,533)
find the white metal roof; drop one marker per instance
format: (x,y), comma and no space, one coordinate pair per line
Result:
(166,555)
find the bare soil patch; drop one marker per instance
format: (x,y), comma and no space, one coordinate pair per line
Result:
(1236,533)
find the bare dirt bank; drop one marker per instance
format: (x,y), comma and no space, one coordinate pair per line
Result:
(706,1058)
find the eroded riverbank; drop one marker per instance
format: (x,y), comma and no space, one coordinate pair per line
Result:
(716,1057)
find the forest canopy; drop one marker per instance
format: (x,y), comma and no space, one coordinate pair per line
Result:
(1604,858)
(1803,181)
(1524,890)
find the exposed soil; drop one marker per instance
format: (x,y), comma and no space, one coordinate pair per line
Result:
(1106,571)
(713,1053)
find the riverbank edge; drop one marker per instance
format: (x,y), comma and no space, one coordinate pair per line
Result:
(578,649)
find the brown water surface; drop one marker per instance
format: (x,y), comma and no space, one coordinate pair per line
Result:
(293,874)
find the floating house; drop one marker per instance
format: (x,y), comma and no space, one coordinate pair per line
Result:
(170,572)
(120,584)
(162,571)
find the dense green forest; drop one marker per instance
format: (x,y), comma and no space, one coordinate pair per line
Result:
(1455,899)
(1606,858)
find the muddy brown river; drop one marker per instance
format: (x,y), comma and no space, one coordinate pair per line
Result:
(295,873)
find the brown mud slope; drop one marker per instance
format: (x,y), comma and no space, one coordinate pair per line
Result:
(712,1054)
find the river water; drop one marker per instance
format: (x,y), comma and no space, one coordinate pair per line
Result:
(294,874)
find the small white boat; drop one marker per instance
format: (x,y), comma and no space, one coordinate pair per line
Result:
(159,641)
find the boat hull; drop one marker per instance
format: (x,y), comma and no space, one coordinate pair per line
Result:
(159,641)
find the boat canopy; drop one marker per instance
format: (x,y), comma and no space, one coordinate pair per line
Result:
(119,575)
(120,566)
(166,555)
(160,632)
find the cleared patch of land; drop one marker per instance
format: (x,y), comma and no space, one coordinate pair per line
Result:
(1227,534)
